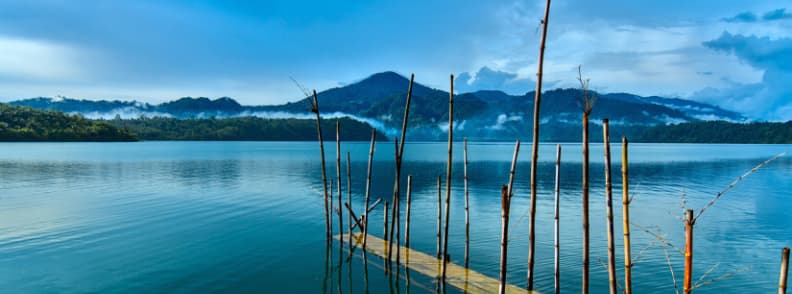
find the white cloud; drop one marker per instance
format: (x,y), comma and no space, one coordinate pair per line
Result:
(28,59)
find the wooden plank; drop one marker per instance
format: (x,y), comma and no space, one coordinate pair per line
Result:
(467,280)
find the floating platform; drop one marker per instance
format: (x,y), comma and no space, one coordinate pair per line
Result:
(467,280)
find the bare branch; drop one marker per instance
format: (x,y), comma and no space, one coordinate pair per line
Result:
(709,271)
(723,277)
(671,268)
(640,253)
(730,186)
(659,238)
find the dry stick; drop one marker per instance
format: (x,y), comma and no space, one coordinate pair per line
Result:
(535,149)
(782,280)
(338,177)
(723,277)
(734,183)
(396,218)
(587,105)
(670,268)
(315,109)
(439,216)
(467,205)
(689,222)
(349,200)
(505,199)
(557,219)
(385,224)
(448,176)
(407,217)
(585,201)
(626,220)
(368,187)
(506,194)
(399,157)
(609,208)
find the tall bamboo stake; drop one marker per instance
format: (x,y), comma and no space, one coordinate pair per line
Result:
(626,220)
(535,149)
(315,109)
(557,238)
(338,177)
(407,217)
(585,199)
(504,237)
(399,157)
(609,208)
(448,175)
(349,200)
(395,225)
(467,205)
(689,222)
(439,217)
(506,195)
(368,187)
(385,223)
(782,280)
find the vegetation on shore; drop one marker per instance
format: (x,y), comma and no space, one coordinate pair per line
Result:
(26,124)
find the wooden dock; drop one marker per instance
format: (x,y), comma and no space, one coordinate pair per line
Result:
(467,280)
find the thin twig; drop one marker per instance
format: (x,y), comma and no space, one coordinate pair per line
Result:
(671,268)
(659,237)
(730,186)
(723,277)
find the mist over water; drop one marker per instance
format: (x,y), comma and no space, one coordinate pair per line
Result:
(249,216)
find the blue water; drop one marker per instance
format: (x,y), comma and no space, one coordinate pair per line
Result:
(248,216)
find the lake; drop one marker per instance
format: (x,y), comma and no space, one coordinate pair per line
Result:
(190,217)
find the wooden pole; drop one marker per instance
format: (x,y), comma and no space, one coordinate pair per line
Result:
(626,220)
(585,199)
(399,153)
(315,109)
(349,200)
(448,176)
(368,187)
(385,223)
(557,238)
(535,149)
(338,177)
(467,204)
(396,223)
(439,216)
(782,280)
(505,200)
(407,217)
(506,194)
(689,222)
(609,208)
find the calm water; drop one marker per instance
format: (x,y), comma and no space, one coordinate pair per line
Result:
(248,216)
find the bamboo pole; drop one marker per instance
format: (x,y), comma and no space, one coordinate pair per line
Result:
(535,149)
(349,200)
(585,199)
(338,177)
(557,255)
(609,208)
(397,221)
(505,202)
(506,194)
(407,217)
(332,208)
(782,280)
(448,175)
(626,220)
(368,187)
(315,109)
(399,153)
(467,204)
(439,216)
(689,222)
(385,223)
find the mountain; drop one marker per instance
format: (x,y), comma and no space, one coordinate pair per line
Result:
(379,101)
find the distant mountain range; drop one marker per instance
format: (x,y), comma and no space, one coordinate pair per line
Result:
(379,101)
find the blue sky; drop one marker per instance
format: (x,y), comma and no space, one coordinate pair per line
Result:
(737,54)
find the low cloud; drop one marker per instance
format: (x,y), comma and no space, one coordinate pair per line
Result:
(488,79)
